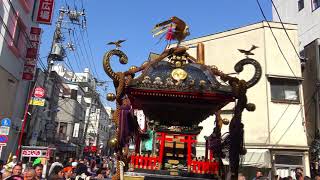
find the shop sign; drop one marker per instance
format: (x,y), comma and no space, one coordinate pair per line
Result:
(45,11)
(37,101)
(32,54)
(34,153)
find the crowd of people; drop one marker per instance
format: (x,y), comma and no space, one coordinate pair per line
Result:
(72,169)
(298,175)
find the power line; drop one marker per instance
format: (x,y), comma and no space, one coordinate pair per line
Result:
(276,40)
(89,45)
(89,58)
(309,102)
(274,6)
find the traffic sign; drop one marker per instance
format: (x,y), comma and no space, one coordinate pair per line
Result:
(4,130)
(3,139)
(39,92)
(6,122)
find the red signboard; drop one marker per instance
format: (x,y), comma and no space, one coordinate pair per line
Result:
(31,153)
(31,55)
(39,92)
(90,149)
(45,10)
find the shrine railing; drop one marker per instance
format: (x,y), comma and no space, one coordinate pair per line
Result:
(153,163)
(145,162)
(204,167)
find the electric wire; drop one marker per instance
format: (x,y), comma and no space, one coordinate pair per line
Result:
(309,102)
(275,38)
(275,8)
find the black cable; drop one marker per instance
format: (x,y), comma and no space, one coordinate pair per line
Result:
(274,6)
(275,38)
(81,51)
(89,59)
(78,62)
(89,45)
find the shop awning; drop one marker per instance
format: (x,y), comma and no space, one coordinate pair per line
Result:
(259,158)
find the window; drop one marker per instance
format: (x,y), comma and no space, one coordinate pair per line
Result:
(63,129)
(300,4)
(315,4)
(16,35)
(284,90)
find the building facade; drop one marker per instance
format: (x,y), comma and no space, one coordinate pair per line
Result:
(86,109)
(16,21)
(306,14)
(275,132)
(96,118)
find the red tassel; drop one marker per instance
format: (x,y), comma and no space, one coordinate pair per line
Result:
(169,35)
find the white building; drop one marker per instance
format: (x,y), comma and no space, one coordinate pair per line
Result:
(16,21)
(96,119)
(304,13)
(275,134)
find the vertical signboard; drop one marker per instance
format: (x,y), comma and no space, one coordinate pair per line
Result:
(76,130)
(32,53)
(44,12)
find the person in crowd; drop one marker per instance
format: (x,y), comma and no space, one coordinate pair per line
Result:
(82,172)
(11,164)
(317,177)
(101,173)
(57,173)
(68,173)
(259,174)
(6,174)
(38,170)
(1,168)
(56,163)
(17,170)
(29,174)
(70,161)
(241,177)
(299,173)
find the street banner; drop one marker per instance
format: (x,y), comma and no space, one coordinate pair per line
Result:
(37,101)
(45,11)
(32,54)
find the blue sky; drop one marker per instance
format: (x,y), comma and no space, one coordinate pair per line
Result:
(133,20)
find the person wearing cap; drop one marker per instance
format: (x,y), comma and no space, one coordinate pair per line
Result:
(11,164)
(68,173)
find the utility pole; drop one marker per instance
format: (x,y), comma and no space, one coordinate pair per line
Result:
(57,53)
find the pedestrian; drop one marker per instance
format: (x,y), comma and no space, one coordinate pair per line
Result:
(259,174)
(299,173)
(56,173)
(82,172)
(317,177)
(56,163)
(38,170)
(6,174)
(12,163)
(29,174)
(17,170)
(68,173)
(241,177)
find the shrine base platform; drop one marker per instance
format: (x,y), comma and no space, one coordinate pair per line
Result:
(161,175)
